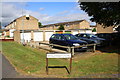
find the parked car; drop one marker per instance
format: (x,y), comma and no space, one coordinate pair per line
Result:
(67,40)
(111,38)
(91,38)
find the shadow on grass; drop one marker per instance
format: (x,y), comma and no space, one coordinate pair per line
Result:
(60,67)
(106,49)
(110,49)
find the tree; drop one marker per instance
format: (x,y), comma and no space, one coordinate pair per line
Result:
(40,24)
(61,27)
(105,13)
(94,30)
(118,29)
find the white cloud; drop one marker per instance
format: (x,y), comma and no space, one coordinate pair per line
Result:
(11,12)
(69,17)
(41,9)
(63,13)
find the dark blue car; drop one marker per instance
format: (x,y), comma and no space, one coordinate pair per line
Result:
(91,38)
(67,40)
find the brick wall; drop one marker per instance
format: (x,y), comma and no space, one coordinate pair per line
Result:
(100,29)
(23,24)
(17,36)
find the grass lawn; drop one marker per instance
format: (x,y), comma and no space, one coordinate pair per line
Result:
(32,62)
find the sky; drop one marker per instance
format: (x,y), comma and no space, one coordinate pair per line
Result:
(45,12)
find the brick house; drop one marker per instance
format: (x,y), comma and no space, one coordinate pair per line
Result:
(26,22)
(79,24)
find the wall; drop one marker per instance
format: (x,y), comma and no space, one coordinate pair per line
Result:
(11,25)
(84,25)
(47,28)
(100,29)
(23,24)
(17,37)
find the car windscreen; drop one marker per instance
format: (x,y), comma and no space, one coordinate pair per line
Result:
(70,37)
(92,36)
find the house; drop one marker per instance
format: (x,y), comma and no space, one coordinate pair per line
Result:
(26,22)
(79,24)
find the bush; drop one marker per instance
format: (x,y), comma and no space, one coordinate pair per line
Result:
(7,36)
(61,27)
(94,30)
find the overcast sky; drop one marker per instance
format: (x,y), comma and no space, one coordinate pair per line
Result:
(45,12)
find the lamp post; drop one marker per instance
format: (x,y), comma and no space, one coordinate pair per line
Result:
(23,20)
(23,42)
(27,18)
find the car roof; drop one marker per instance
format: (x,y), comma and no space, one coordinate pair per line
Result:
(83,33)
(62,34)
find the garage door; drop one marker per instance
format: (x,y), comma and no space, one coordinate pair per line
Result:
(38,36)
(48,35)
(75,32)
(26,37)
(88,31)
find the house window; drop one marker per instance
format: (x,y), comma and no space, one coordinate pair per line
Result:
(56,25)
(12,25)
(15,23)
(67,25)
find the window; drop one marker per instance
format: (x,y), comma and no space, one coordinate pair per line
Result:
(67,25)
(84,35)
(56,25)
(80,35)
(12,25)
(15,23)
(53,36)
(70,37)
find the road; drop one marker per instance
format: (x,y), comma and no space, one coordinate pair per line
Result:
(8,71)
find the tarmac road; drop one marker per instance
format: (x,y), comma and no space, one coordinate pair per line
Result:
(8,71)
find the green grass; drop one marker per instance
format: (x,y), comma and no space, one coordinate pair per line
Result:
(32,62)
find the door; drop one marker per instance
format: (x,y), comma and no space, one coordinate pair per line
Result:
(38,36)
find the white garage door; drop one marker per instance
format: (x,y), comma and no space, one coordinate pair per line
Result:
(75,32)
(48,35)
(38,36)
(26,37)
(82,31)
(88,31)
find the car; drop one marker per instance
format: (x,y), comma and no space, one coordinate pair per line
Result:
(67,40)
(91,38)
(111,38)
(107,36)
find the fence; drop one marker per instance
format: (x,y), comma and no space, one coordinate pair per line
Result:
(71,49)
